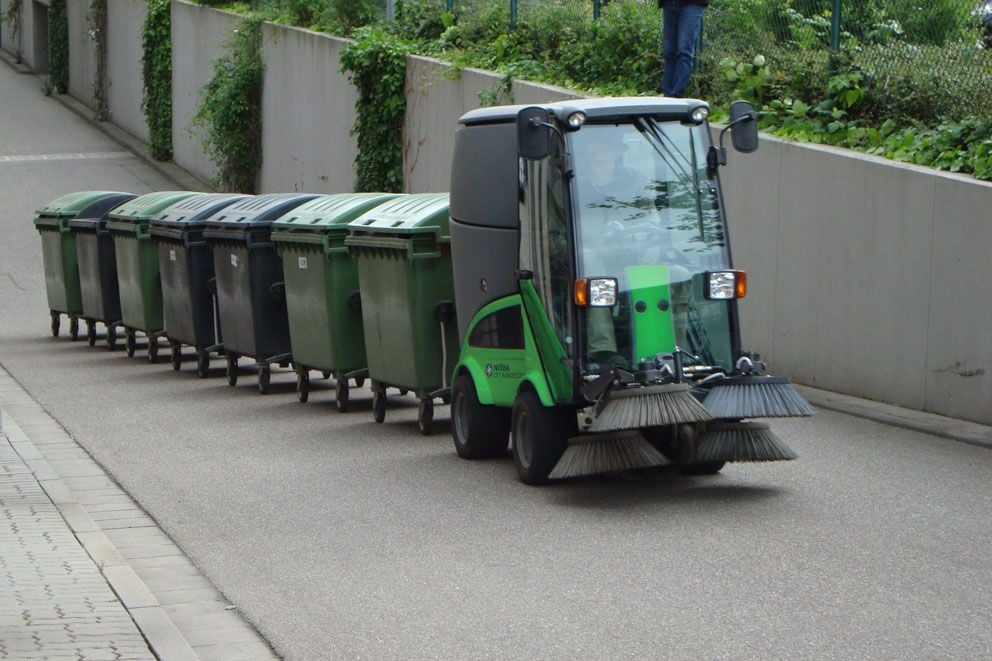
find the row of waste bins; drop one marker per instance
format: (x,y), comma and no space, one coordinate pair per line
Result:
(353,286)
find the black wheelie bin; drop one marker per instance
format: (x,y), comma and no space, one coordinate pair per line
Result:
(59,256)
(187,269)
(325,317)
(101,297)
(403,252)
(251,298)
(138,268)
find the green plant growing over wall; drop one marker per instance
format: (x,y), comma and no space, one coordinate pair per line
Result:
(230,110)
(376,64)
(97,19)
(156,66)
(12,17)
(58,46)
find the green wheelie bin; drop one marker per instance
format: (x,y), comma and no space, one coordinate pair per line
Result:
(403,252)
(322,297)
(138,267)
(58,252)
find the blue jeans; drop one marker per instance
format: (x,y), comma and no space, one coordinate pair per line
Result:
(679,36)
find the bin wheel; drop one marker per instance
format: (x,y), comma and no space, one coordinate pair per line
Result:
(177,356)
(232,369)
(425,416)
(379,405)
(202,364)
(264,376)
(403,391)
(359,381)
(129,342)
(341,395)
(325,374)
(74,328)
(111,338)
(91,332)
(302,384)
(152,349)
(56,323)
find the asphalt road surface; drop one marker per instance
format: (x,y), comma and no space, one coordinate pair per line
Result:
(340,538)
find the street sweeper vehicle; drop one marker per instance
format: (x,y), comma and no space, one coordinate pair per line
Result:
(595,296)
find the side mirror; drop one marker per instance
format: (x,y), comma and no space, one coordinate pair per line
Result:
(533,134)
(744,121)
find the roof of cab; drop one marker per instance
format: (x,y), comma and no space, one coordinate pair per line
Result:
(600,108)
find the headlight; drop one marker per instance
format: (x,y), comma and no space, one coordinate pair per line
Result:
(596,292)
(725,285)
(576,119)
(700,114)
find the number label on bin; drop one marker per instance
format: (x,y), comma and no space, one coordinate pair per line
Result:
(172,255)
(234,261)
(303,262)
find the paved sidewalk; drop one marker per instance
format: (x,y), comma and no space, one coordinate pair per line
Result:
(84,572)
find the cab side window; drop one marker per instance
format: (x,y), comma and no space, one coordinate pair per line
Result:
(503,329)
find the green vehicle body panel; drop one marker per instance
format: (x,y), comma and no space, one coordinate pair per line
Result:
(653,328)
(58,249)
(137,259)
(325,331)
(499,373)
(558,372)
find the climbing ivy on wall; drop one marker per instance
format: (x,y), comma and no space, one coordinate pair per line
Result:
(230,110)
(156,64)
(97,19)
(12,17)
(376,64)
(58,47)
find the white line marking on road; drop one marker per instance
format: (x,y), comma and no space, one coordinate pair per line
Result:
(81,156)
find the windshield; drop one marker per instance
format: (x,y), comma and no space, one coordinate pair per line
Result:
(647,213)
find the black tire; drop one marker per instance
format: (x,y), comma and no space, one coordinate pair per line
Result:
(152,349)
(425,416)
(202,364)
(379,405)
(56,323)
(341,395)
(302,384)
(703,468)
(264,377)
(129,342)
(74,328)
(177,356)
(540,436)
(91,332)
(479,431)
(232,369)
(111,338)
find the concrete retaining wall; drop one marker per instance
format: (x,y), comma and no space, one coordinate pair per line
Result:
(8,40)
(82,54)
(125,24)
(308,110)
(198,38)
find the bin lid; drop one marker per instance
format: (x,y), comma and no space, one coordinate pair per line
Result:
(196,209)
(69,206)
(258,211)
(329,212)
(144,207)
(408,214)
(94,217)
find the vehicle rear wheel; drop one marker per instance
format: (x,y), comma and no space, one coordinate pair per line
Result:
(539,435)
(479,431)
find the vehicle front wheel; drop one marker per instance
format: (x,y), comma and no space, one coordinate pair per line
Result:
(539,437)
(479,431)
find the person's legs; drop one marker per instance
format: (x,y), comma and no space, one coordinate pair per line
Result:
(690,22)
(670,43)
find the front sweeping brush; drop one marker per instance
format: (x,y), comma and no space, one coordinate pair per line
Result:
(756,397)
(649,406)
(606,453)
(742,441)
